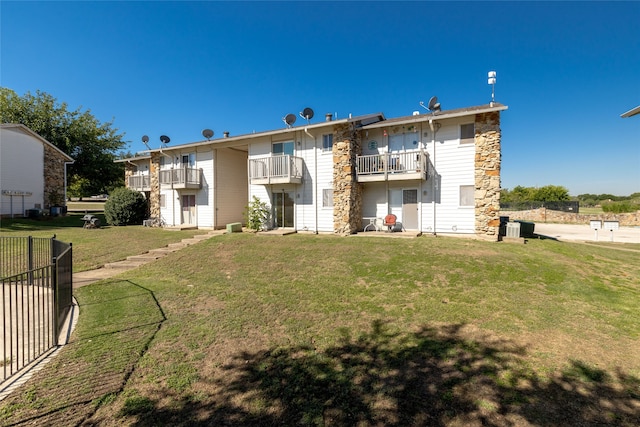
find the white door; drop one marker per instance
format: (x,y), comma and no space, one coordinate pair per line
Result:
(188,209)
(410,209)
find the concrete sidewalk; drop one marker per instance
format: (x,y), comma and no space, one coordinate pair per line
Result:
(84,278)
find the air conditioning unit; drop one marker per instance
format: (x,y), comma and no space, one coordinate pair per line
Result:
(513,229)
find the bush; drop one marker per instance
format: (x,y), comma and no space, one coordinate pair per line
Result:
(257,214)
(620,207)
(125,207)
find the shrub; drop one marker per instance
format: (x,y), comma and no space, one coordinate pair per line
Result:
(620,207)
(125,207)
(257,214)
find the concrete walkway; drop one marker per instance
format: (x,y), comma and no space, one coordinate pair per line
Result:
(84,278)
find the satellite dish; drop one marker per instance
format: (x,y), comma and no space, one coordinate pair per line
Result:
(165,139)
(207,133)
(145,139)
(307,113)
(434,105)
(289,119)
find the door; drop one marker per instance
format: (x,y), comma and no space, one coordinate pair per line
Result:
(188,209)
(410,209)
(283,209)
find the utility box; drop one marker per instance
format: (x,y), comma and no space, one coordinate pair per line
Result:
(513,230)
(527,229)
(234,227)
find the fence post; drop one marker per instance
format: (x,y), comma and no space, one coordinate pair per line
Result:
(30,259)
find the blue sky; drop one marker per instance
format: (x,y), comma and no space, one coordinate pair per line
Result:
(567,70)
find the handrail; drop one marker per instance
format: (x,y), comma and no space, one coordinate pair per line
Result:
(385,163)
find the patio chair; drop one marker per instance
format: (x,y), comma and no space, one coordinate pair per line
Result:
(390,222)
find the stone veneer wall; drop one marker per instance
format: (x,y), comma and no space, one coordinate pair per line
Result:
(487,175)
(154,181)
(547,215)
(347,193)
(53,177)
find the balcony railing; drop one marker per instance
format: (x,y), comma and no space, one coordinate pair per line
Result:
(139,182)
(392,166)
(181,178)
(276,170)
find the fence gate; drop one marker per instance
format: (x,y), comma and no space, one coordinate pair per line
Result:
(37,286)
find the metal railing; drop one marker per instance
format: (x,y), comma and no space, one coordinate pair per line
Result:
(284,167)
(180,176)
(406,162)
(37,282)
(139,182)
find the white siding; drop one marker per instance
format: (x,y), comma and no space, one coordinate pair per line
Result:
(454,164)
(21,169)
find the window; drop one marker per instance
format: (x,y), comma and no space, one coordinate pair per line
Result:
(163,201)
(327,198)
(327,142)
(467,196)
(467,133)
(282,148)
(189,160)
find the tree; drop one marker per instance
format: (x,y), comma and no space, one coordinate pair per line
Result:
(93,145)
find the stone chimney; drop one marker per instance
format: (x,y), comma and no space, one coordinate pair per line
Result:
(487,175)
(347,192)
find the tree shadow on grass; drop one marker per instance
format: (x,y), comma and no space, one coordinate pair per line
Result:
(434,377)
(94,367)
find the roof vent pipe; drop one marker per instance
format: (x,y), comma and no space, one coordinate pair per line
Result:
(226,134)
(328,117)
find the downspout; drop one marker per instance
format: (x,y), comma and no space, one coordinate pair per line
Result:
(435,179)
(315,178)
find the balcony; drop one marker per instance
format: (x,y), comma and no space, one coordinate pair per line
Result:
(181,178)
(410,165)
(139,182)
(276,170)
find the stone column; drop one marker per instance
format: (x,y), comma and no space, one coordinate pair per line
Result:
(154,181)
(487,175)
(53,177)
(347,193)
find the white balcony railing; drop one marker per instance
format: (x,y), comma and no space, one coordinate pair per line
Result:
(392,166)
(181,178)
(276,170)
(139,182)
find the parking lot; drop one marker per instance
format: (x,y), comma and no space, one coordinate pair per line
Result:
(582,232)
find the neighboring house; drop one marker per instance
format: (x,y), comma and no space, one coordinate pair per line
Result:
(32,171)
(437,172)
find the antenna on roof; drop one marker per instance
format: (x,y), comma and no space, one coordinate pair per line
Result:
(307,113)
(145,139)
(164,139)
(491,79)
(207,133)
(433,106)
(289,119)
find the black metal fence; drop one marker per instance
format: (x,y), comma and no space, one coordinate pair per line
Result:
(37,283)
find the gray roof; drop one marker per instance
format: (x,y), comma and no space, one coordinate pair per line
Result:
(631,112)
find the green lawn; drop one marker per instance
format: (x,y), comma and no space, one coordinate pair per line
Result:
(323,330)
(92,248)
